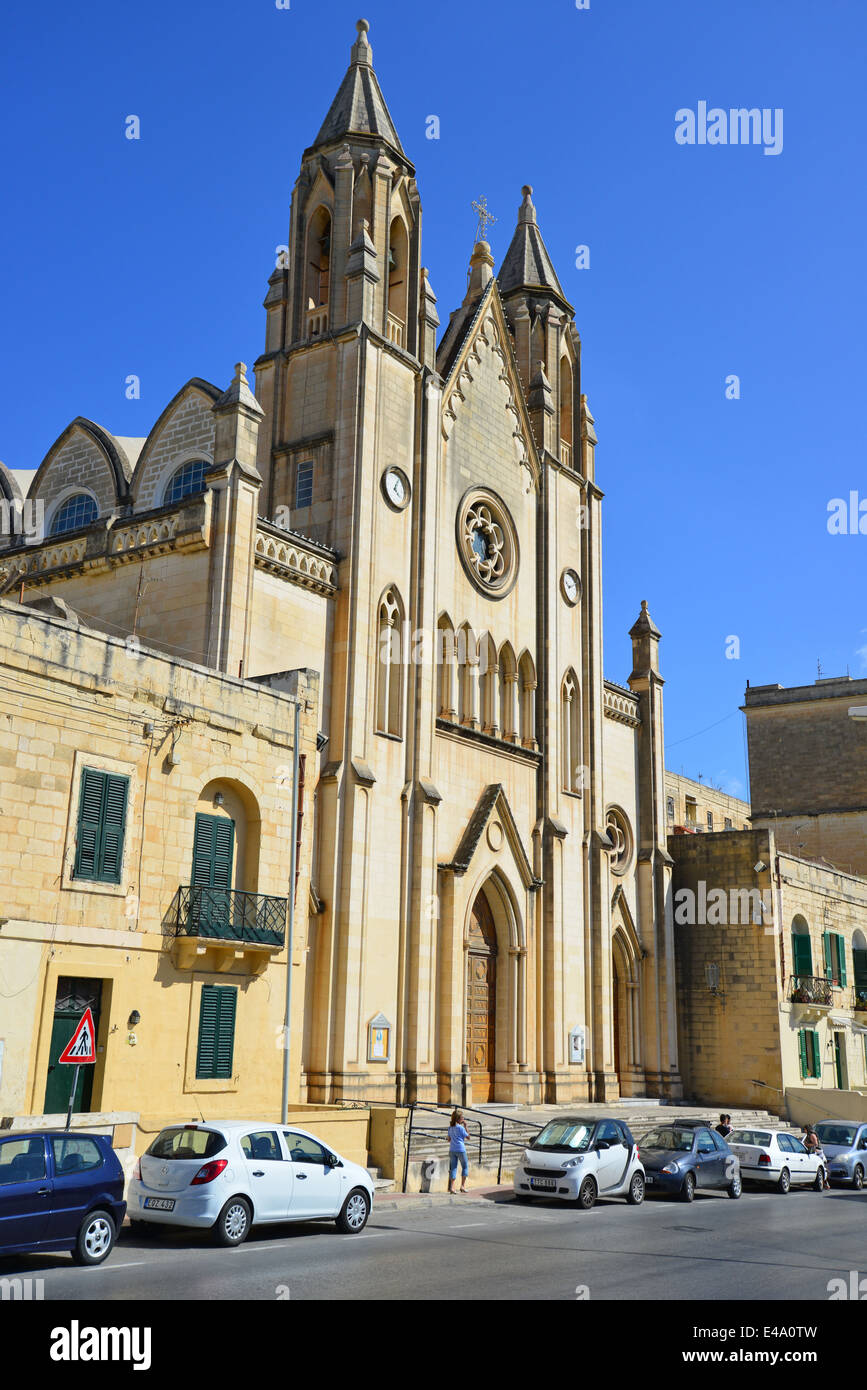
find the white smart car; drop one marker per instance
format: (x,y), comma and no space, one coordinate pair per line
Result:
(231,1175)
(578,1159)
(778,1157)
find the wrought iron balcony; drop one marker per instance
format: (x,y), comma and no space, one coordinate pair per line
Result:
(810,989)
(224,915)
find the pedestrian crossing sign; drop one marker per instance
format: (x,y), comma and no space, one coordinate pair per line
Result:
(82,1045)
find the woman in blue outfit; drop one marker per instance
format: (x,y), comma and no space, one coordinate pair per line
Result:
(458,1136)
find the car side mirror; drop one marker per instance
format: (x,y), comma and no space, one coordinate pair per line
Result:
(602,1144)
(334,1161)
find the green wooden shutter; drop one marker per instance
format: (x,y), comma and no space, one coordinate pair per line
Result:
(841,959)
(216,1032)
(829,959)
(101,826)
(817,1068)
(113,827)
(802,1049)
(213,851)
(859,967)
(802,954)
(89,824)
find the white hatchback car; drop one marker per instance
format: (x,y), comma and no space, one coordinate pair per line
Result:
(231,1175)
(578,1160)
(778,1157)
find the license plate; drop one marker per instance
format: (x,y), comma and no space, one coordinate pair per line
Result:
(549,1184)
(160,1203)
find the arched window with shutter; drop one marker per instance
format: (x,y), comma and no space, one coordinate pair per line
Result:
(389,664)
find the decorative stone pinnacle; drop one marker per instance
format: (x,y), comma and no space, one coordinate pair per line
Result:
(241,372)
(361,50)
(526,212)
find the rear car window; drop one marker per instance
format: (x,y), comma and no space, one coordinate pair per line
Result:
(181,1142)
(75,1155)
(21,1160)
(837,1134)
(750,1136)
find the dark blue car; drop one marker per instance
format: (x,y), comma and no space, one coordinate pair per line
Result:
(60,1190)
(683,1156)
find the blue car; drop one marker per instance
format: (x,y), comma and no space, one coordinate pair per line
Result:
(60,1190)
(682,1157)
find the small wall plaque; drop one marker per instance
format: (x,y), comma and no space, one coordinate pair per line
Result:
(578,1044)
(379,1039)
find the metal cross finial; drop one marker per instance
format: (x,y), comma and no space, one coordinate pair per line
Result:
(480,208)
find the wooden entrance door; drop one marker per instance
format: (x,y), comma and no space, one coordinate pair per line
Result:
(615,1017)
(73,997)
(482,1000)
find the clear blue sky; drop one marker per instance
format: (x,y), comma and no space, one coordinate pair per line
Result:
(151,257)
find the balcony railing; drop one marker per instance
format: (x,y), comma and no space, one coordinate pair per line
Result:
(317,321)
(810,989)
(224,915)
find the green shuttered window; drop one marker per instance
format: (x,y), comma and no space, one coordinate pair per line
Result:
(101,825)
(802,954)
(216,1032)
(808,1047)
(213,848)
(834,947)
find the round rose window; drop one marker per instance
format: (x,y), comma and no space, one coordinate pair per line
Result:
(487,543)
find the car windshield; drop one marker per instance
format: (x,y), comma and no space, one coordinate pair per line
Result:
(186,1142)
(564,1134)
(750,1136)
(837,1134)
(669,1137)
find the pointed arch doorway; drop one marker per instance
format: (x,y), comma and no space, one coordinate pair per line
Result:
(481,986)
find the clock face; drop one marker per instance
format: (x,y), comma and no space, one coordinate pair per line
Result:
(571,586)
(396,487)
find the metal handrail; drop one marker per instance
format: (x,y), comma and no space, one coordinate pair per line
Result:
(443,1110)
(225,914)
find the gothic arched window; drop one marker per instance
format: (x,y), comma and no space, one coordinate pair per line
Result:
(566,388)
(508,683)
(570,733)
(490,685)
(185,481)
(447,670)
(77,511)
(527,674)
(398,283)
(389,664)
(318,258)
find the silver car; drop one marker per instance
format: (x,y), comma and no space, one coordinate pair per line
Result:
(845,1145)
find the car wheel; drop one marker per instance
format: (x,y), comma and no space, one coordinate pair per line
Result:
(587,1194)
(232,1226)
(687,1192)
(785,1181)
(635,1195)
(858,1177)
(95,1239)
(735,1187)
(819,1183)
(354,1212)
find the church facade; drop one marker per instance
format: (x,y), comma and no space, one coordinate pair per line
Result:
(416,516)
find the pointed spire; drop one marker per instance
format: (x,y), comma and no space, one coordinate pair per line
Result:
(644,623)
(527,265)
(359,108)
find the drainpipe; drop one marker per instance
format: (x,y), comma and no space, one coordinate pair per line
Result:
(293,864)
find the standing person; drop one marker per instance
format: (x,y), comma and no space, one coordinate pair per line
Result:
(812,1144)
(458,1136)
(724,1127)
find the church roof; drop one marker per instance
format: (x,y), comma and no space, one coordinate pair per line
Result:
(359,107)
(527,264)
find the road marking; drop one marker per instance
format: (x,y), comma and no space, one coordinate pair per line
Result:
(133,1264)
(462,1225)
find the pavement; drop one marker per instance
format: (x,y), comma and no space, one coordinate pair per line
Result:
(484,1246)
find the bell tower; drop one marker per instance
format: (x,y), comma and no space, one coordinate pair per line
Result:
(353,257)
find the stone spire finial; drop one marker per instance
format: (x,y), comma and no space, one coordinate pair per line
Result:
(481,271)
(527,212)
(361,51)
